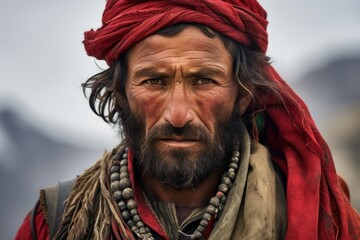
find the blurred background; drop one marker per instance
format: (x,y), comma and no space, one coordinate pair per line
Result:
(48,133)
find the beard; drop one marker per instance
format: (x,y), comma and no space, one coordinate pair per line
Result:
(180,168)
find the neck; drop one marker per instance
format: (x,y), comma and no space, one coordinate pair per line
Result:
(197,197)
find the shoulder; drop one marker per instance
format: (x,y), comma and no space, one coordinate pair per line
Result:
(34,224)
(42,222)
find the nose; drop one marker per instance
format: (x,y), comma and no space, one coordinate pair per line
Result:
(178,110)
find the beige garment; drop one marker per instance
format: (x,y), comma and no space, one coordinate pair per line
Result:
(256,205)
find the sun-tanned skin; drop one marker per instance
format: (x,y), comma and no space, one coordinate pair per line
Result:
(181,79)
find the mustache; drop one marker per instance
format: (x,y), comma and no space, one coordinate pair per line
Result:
(188,131)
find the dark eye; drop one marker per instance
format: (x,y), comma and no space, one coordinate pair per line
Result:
(155,81)
(203,81)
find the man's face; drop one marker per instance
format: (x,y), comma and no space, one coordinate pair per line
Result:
(182,94)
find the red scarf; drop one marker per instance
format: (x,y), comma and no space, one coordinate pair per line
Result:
(316,205)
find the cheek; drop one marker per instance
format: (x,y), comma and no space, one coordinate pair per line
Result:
(214,109)
(145,105)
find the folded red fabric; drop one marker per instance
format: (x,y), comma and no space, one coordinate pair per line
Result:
(126,23)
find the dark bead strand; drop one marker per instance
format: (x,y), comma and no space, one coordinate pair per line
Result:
(217,203)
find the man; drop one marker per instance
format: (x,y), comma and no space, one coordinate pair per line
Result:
(216,145)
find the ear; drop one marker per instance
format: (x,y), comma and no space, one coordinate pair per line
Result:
(243,103)
(245,98)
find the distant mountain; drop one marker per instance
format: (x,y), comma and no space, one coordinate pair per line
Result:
(29,160)
(22,143)
(330,86)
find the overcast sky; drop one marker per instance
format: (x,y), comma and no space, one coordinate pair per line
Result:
(43,63)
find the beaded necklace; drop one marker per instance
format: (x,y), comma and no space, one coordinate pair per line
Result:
(123,194)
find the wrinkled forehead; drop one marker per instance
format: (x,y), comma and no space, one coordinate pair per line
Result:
(184,39)
(199,35)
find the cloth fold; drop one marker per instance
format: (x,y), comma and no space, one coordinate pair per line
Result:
(126,23)
(256,205)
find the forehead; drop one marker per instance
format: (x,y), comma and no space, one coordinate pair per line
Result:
(189,40)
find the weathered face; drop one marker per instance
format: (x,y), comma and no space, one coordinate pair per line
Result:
(181,89)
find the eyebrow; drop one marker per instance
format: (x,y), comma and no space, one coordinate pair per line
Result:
(153,71)
(150,71)
(206,71)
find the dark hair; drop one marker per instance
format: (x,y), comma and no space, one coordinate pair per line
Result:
(107,88)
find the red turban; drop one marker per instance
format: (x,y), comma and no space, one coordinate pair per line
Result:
(126,23)
(316,205)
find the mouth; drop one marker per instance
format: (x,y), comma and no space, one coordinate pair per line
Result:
(179,141)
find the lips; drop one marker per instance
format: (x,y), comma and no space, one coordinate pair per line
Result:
(188,135)
(178,141)
(177,138)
